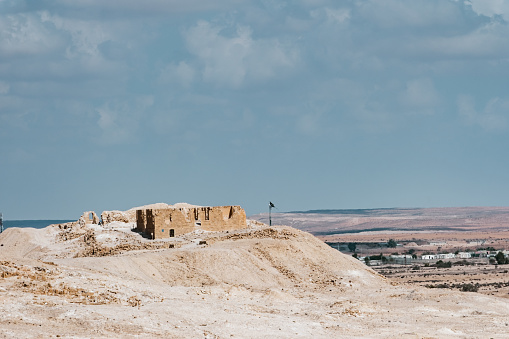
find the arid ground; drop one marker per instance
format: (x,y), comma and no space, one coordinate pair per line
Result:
(427,220)
(423,229)
(261,282)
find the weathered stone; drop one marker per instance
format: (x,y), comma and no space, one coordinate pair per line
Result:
(171,222)
(111,216)
(88,218)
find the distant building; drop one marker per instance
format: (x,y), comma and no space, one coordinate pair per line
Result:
(478,242)
(429,257)
(482,254)
(446,256)
(401,256)
(464,255)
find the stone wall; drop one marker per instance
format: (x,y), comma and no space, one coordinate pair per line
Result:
(171,222)
(222,218)
(111,216)
(141,222)
(88,218)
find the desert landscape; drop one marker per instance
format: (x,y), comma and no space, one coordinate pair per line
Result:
(465,239)
(358,224)
(89,280)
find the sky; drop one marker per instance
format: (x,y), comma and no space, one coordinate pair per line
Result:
(310,104)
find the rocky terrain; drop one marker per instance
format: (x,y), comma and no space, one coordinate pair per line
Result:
(75,280)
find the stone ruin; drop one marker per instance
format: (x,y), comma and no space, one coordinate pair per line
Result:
(88,218)
(167,222)
(172,222)
(111,216)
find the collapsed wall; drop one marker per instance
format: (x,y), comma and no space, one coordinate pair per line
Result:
(111,216)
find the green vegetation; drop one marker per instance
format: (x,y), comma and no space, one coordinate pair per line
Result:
(463,263)
(468,287)
(391,243)
(501,259)
(352,246)
(490,248)
(442,264)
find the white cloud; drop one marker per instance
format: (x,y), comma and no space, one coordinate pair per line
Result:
(420,96)
(309,124)
(119,120)
(490,7)
(182,73)
(85,37)
(143,8)
(486,42)
(494,116)
(233,61)
(331,15)
(4,87)
(24,34)
(466,109)
(42,45)
(426,30)
(415,14)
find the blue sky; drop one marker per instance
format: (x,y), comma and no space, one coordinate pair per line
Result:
(310,104)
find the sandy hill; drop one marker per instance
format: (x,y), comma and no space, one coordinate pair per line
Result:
(93,281)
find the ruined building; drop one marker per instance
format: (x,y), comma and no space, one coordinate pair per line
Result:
(88,218)
(171,222)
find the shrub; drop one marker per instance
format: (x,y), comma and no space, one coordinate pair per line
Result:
(501,259)
(441,264)
(391,243)
(469,288)
(352,246)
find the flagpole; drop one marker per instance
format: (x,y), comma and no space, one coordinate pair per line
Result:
(270,214)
